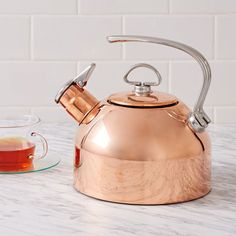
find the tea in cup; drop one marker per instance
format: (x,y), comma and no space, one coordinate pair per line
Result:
(17,148)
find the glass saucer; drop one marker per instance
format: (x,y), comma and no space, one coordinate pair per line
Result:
(52,159)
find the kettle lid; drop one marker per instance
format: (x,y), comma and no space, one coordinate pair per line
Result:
(154,99)
(142,95)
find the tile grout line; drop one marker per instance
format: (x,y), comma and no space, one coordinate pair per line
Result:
(123,56)
(214,38)
(112,60)
(125,14)
(31,56)
(77,7)
(168,2)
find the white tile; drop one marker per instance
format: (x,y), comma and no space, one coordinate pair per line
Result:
(185,29)
(74,38)
(226,37)
(225,114)
(122,6)
(31,83)
(186,80)
(52,114)
(202,6)
(107,77)
(38,6)
(14,39)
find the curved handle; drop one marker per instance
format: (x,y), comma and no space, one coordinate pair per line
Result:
(44,145)
(198,119)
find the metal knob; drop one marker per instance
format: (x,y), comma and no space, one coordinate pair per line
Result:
(198,119)
(142,88)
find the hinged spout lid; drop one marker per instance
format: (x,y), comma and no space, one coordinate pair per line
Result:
(81,80)
(78,102)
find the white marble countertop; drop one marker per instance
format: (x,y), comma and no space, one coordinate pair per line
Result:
(45,203)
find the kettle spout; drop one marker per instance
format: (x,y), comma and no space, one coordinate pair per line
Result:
(77,101)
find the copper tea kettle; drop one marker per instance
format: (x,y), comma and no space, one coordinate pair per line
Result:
(140,146)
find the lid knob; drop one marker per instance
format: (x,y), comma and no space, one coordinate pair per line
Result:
(142,88)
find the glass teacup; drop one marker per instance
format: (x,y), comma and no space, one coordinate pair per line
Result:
(19,141)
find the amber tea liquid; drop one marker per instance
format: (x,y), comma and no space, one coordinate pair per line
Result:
(15,152)
(77,157)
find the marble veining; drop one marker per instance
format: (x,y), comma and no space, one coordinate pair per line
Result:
(45,203)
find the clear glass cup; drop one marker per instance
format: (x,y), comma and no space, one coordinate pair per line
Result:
(19,143)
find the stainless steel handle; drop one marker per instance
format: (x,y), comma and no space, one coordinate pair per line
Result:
(198,119)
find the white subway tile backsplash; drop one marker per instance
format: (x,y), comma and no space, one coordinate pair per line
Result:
(185,29)
(123,6)
(186,81)
(14,39)
(33,84)
(202,6)
(226,37)
(222,92)
(107,77)
(44,43)
(225,115)
(38,7)
(75,38)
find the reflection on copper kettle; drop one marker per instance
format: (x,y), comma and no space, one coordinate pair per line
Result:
(141,146)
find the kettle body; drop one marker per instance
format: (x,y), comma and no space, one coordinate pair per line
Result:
(139,147)
(133,156)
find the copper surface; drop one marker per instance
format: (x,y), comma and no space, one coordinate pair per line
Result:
(155,99)
(142,156)
(79,103)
